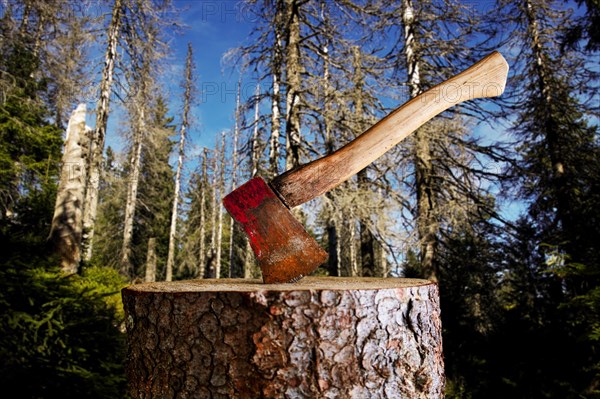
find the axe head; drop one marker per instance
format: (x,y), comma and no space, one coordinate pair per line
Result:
(284,250)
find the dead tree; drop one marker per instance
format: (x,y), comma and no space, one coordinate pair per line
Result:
(219,209)
(293,75)
(67,224)
(233,272)
(96,147)
(151,261)
(187,99)
(204,187)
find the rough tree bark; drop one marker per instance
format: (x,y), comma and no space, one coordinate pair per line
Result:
(322,337)
(67,224)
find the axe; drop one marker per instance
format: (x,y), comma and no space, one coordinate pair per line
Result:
(284,250)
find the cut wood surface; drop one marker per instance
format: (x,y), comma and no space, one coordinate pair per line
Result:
(320,338)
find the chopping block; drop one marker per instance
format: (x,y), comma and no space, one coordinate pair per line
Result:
(324,337)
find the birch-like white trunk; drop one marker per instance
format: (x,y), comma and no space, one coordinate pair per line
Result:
(255,156)
(233,270)
(275,128)
(96,146)
(184,125)
(210,267)
(173,228)
(293,70)
(333,264)
(202,249)
(275,97)
(67,223)
(427,227)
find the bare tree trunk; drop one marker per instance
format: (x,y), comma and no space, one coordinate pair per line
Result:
(248,261)
(275,129)
(347,245)
(249,264)
(352,249)
(255,156)
(210,271)
(202,254)
(219,206)
(319,338)
(25,20)
(151,261)
(367,252)
(187,98)
(293,70)
(132,189)
(332,244)
(427,227)
(67,224)
(366,237)
(381,261)
(234,270)
(331,222)
(276,95)
(96,146)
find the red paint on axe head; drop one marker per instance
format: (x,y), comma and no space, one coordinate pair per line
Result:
(284,251)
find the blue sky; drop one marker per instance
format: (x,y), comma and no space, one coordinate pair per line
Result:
(213,28)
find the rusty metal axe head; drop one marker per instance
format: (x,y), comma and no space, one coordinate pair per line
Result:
(284,250)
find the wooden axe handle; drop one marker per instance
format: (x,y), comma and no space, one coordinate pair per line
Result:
(486,78)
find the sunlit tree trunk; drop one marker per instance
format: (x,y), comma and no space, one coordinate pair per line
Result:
(151,261)
(234,269)
(331,222)
(204,186)
(275,96)
(187,99)
(67,223)
(132,187)
(96,147)
(293,81)
(219,209)
(255,144)
(210,271)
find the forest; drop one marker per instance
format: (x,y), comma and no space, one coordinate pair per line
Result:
(498,201)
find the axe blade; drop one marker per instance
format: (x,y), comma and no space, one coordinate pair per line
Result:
(283,249)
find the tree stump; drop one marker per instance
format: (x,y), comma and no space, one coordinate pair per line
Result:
(323,337)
